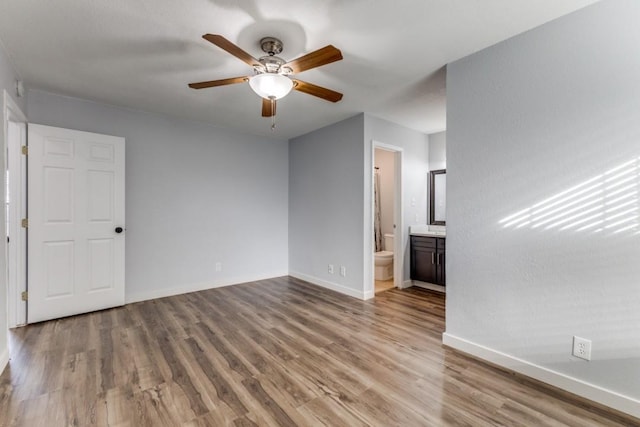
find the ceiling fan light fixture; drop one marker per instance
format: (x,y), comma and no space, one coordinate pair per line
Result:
(271,85)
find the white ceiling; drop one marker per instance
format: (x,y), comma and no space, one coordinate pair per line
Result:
(141,54)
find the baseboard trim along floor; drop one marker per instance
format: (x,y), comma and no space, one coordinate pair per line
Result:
(578,387)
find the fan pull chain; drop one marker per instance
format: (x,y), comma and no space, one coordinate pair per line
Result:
(273,113)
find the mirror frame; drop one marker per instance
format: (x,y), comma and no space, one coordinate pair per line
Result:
(432,195)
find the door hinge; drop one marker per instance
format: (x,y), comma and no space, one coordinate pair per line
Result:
(25,150)
(25,296)
(25,223)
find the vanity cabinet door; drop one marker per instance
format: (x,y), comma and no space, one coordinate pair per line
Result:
(440,270)
(423,259)
(428,259)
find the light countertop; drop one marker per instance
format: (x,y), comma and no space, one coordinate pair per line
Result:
(427,231)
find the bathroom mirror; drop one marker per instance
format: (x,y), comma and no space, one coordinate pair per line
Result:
(437,196)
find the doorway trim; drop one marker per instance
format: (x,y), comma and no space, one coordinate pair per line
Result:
(16,250)
(398,219)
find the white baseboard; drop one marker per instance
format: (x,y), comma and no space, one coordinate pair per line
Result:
(581,388)
(406,284)
(194,287)
(333,286)
(4,359)
(430,286)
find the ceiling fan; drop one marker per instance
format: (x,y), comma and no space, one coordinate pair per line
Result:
(272,79)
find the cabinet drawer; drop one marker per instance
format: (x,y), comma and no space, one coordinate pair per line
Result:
(423,242)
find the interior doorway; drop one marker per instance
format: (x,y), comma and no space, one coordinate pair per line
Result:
(71,245)
(387,221)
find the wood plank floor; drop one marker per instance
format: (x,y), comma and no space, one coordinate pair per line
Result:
(277,352)
(382,285)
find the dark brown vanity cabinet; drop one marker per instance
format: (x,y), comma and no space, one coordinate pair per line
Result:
(427,259)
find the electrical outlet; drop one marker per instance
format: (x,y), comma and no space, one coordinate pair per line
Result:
(343,270)
(330,268)
(218,267)
(582,348)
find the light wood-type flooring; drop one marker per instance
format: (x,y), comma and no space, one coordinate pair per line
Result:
(383,285)
(277,352)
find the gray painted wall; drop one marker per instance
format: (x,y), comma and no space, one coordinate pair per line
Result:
(438,151)
(325,204)
(528,119)
(415,169)
(330,213)
(8,79)
(195,195)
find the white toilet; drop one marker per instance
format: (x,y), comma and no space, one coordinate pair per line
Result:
(383,260)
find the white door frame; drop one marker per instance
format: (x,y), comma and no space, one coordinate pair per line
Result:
(16,251)
(398,219)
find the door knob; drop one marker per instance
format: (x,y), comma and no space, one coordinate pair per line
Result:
(119,230)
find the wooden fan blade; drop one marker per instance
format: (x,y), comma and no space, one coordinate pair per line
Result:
(324,56)
(222,82)
(268,107)
(315,90)
(234,50)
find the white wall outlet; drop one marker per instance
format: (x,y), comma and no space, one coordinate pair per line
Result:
(582,348)
(330,268)
(343,270)
(218,267)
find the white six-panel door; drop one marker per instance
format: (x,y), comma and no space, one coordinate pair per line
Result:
(76,222)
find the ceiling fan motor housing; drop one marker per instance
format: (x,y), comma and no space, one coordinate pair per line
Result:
(271,45)
(273,64)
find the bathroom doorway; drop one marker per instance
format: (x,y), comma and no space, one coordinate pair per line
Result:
(386,217)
